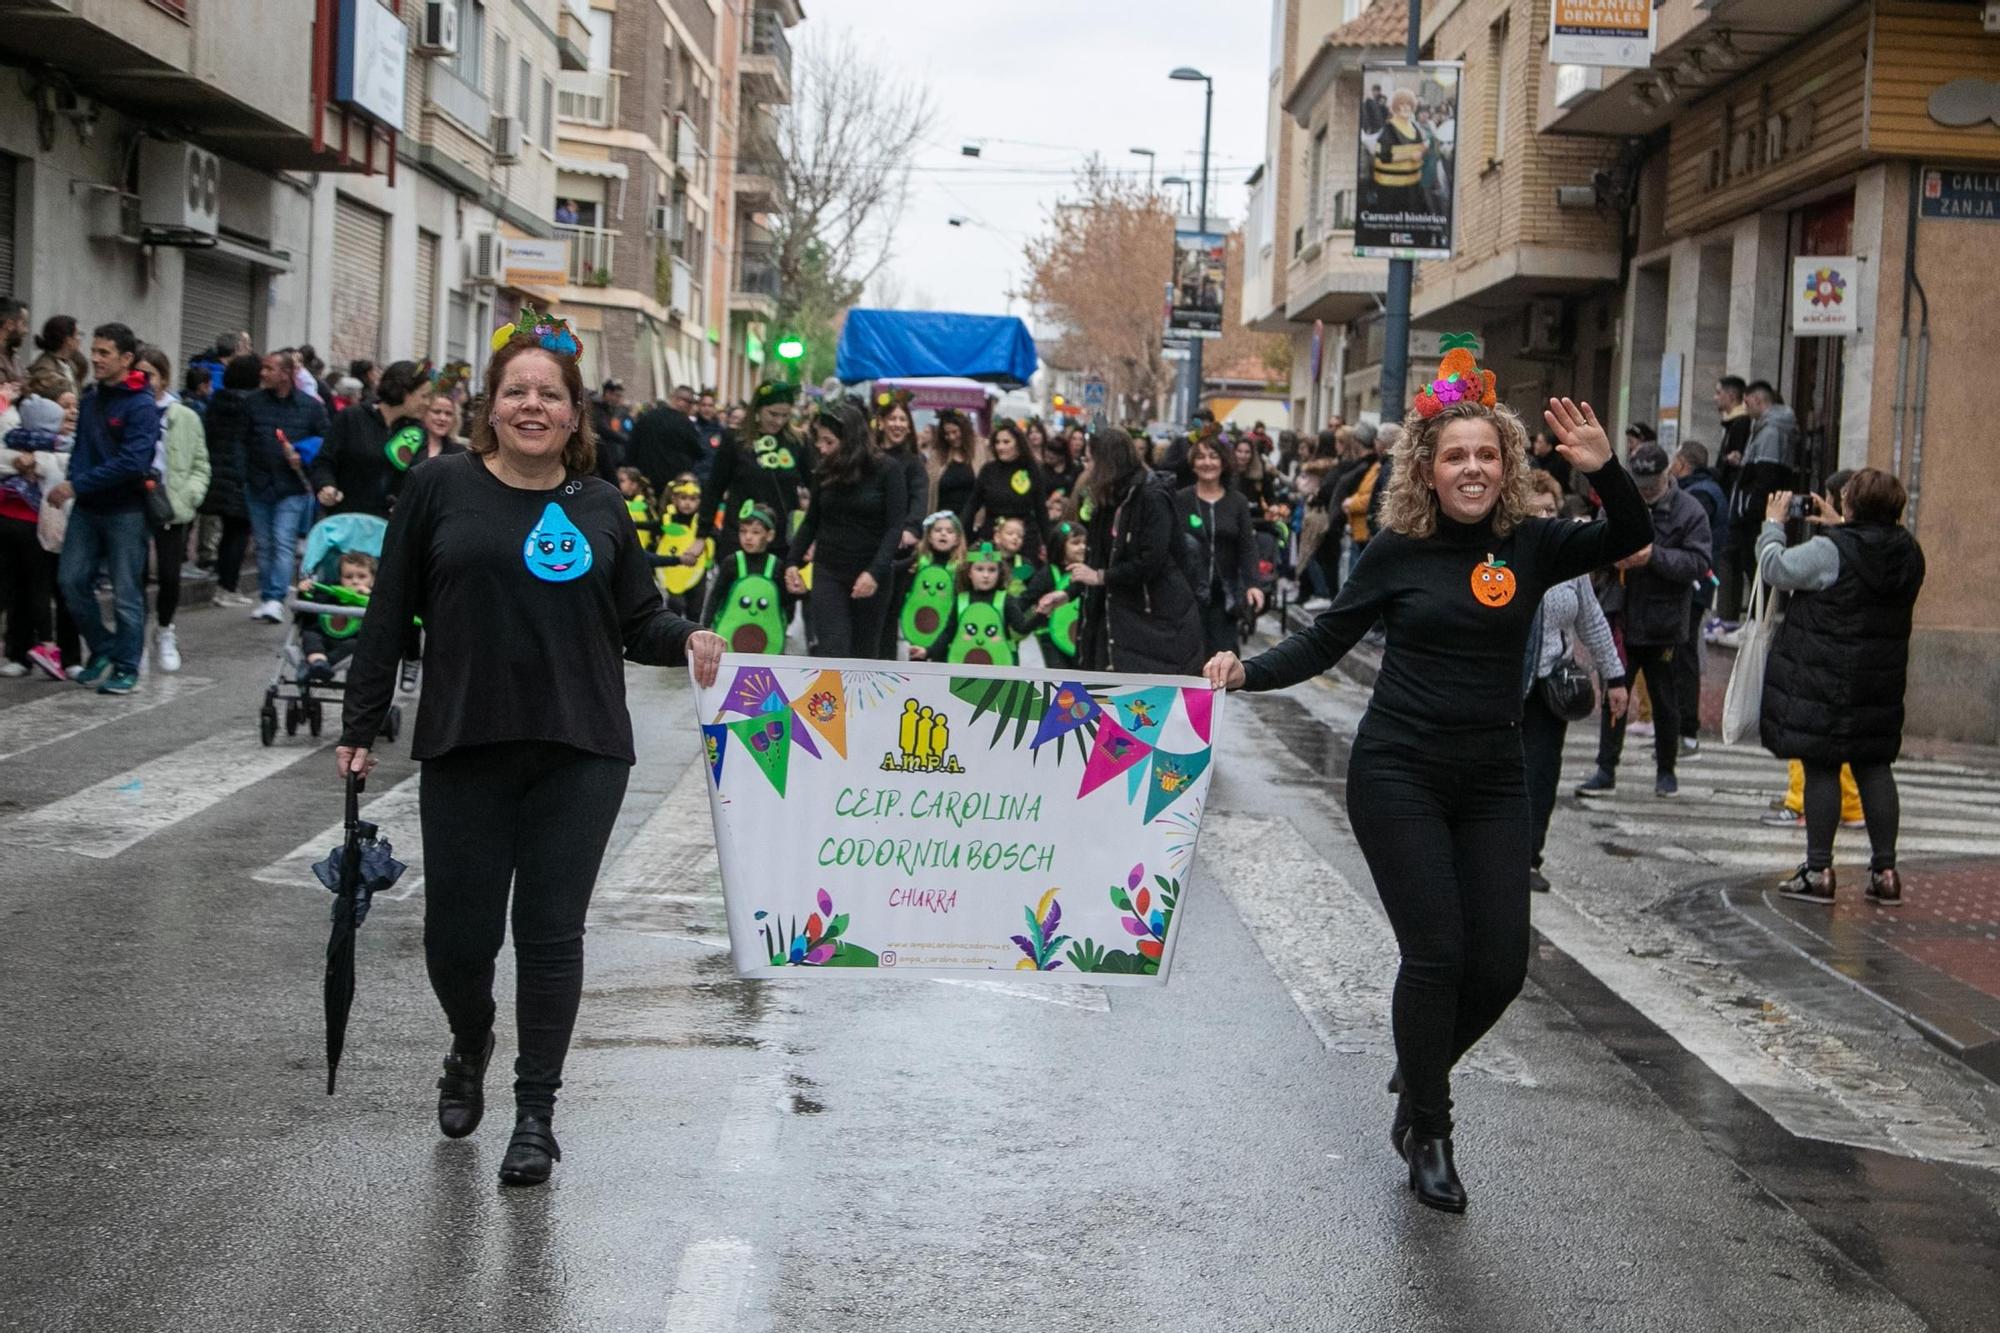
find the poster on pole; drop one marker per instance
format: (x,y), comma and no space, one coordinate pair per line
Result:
(949,820)
(1404,193)
(1826,296)
(1616,33)
(1195,295)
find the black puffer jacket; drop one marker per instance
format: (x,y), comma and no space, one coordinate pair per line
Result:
(1143,620)
(227,426)
(1833,690)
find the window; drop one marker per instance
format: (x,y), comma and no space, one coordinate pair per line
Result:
(500,66)
(1499,97)
(525,106)
(1316,186)
(469,64)
(548,115)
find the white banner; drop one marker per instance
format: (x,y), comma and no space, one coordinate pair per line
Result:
(943,820)
(1601,32)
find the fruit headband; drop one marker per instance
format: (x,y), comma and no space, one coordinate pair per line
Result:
(550,332)
(1459,379)
(889,398)
(449,376)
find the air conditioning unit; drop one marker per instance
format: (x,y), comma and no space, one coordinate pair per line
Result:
(180,190)
(439,34)
(1542,329)
(485,257)
(506,139)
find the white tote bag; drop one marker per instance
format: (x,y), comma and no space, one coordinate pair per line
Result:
(1744,699)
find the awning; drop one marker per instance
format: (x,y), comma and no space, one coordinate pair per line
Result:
(590,166)
(250,252)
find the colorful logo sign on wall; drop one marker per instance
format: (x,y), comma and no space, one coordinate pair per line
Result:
(1826,296)
(946,820)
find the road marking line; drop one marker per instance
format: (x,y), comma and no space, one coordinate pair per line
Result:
(73,711)
(710,1287)
(103,820)
(394,811)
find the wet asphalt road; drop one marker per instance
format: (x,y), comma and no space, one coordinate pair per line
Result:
(902,1155)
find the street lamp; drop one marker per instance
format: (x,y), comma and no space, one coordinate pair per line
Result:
(1146,153)
(1189,74)
(1187,190)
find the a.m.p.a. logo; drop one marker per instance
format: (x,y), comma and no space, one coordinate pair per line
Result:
(923,742)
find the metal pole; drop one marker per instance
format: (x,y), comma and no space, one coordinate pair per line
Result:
(1201,227)
(1402,273)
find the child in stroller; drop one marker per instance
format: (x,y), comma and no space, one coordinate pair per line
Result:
(341,555)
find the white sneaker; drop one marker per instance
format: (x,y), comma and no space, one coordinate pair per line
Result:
(166,649)
(1315,604)
(268,610)
(233,599)
(12,669)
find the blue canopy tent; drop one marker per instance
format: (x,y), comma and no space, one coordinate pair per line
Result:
(899,344)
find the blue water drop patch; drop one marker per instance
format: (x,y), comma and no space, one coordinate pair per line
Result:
(556,552)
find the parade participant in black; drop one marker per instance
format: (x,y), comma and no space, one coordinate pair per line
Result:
(851,528)
(665,442)
(1140,614)
(528,569)
(954,483)
(896,439)
(1435,787)
(763,462)
(1010,485)
(371,445)
(1219,520)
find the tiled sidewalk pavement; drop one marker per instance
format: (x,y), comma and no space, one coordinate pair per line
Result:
(1935,959)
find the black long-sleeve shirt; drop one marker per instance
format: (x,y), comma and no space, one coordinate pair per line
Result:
(740,472)
(958,490)
(354,460)
(1222,528)
(856,525)
(1011,490)
(1458,607)
(531,601)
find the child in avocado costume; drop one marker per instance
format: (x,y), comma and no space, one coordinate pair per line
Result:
(985,622)
(746,606)
(933,581)
(327,640)
(1051,595)
(682,556)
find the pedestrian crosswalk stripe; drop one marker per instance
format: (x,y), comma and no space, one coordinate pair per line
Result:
(105,819)
(394,811)
(70,711)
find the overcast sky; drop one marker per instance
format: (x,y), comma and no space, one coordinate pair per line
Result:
(1043,83)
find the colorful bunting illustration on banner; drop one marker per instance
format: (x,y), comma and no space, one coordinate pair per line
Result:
(1072,707)
(1173,775)
(1200,705)
(754,692)
(768,738)
(824,708)
(1145,712)
(715,742)
(1116,751)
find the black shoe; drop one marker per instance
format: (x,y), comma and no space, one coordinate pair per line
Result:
(1433,1174)
(462,1091)
(532,1153)
(1885,888)
(1399,1126)
(1537,881)
(1810,886)
(1599,783)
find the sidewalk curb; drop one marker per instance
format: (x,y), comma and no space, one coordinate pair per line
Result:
(1937,1011)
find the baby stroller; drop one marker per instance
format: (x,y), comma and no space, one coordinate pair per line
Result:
(304,698)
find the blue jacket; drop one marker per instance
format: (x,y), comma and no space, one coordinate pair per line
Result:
(266,474)
(117,439)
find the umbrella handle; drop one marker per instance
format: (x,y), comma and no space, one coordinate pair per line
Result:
(355,783)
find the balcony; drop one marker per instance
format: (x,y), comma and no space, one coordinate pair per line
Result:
(458,99)
(766,65)
(590,255)
(760,166)
(589,98)
(682,292)
(690,155)
(572,39)
(758,283)
(1325,280)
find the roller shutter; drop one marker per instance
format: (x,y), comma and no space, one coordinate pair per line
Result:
(360,265)
(218,295)
(7,174)
(427,295)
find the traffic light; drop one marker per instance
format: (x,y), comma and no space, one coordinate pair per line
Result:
(791,347)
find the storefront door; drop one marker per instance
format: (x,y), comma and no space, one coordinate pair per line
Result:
(1818,370)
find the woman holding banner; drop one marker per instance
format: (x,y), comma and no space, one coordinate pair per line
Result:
(1140,616)
(527,568)
(1436,792)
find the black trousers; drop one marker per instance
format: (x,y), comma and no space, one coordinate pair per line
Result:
(1542,735)
(1687,684)
(229,551)
(900,580)
(1738,562)
(1881,806)
(28,585)
(170,547)
(844,625)
(533,817)
(1444,825)
(1220,631)
(1654,661)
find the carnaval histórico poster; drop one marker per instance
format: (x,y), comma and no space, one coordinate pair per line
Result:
(1405,179)
(932,819)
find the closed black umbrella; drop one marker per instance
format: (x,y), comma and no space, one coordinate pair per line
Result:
(356,870)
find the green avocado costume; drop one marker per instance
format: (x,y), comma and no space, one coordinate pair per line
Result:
(751,616)
(980,635)
(927,606)
(339,627)
(1061,633)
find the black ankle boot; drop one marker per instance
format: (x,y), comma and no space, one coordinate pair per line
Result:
(532,1153)
(1433,1174)
(462,1091)
(1399,1125)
